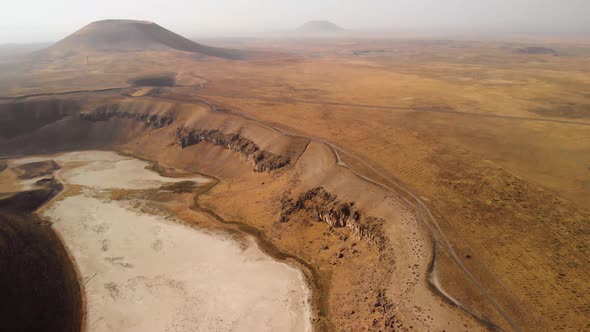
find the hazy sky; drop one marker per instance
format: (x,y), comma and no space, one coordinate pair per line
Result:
(50,20)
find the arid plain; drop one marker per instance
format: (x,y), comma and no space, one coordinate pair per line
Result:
(468,163)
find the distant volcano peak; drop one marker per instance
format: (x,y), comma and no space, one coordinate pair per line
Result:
(132,35)
(319,26)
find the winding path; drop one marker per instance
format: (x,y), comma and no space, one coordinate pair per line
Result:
(320,103)
(405,108)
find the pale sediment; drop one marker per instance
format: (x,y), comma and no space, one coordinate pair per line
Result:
(184,278)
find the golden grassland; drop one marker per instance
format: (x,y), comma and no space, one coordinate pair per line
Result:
(496,142)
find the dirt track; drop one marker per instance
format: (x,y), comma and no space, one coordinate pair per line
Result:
(406,108)
(324,103)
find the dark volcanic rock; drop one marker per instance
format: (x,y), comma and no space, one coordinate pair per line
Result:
(154,80)
(263,160)
(388,321)
(328,208)
(105,113)
(37,169)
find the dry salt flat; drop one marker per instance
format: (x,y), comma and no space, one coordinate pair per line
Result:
(145,272)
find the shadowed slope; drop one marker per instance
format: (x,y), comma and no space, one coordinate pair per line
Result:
(39,285)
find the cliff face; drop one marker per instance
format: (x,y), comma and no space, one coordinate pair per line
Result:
(105,113)
(21,117)
(328,208)
(263,161)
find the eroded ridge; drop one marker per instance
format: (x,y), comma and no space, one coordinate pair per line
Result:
(106,112)
(328,208)
(263,161)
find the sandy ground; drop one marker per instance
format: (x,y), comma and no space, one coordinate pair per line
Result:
(145,272)
(9,182)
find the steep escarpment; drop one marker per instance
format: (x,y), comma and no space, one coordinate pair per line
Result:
(326,207)
(17,118)
(262,160)
(51,125)
(38,126)
(106,112)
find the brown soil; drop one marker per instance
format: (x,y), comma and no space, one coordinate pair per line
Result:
(180,187)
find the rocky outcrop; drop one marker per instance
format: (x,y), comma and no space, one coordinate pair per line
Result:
(36,169)
(326,207)
(386,320)
(263,161)
(105,113)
